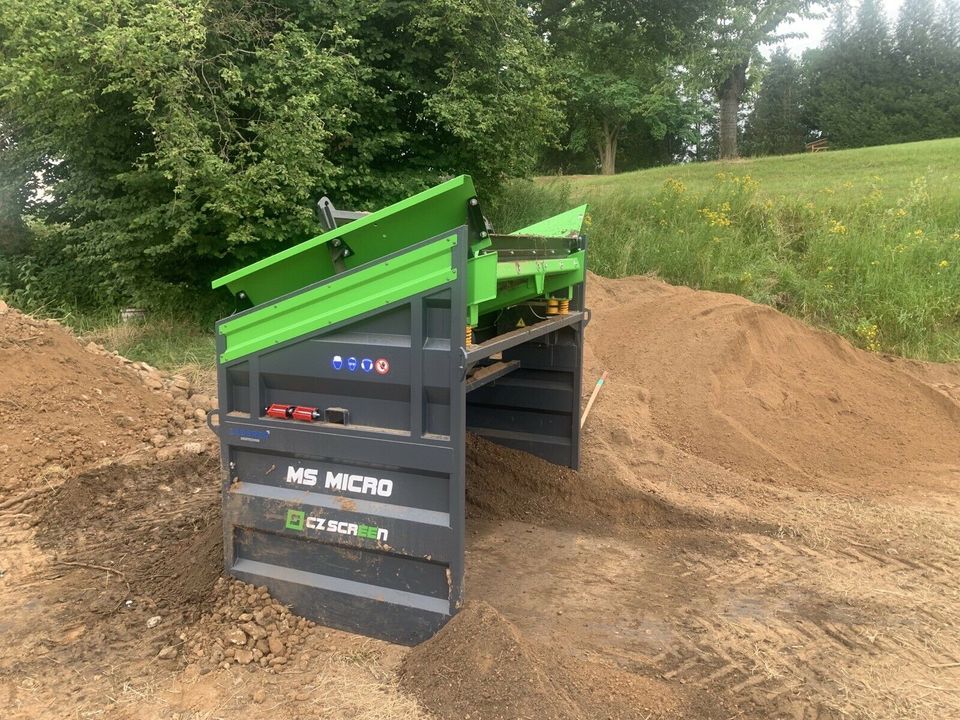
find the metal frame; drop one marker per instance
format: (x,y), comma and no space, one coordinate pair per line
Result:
(360,524)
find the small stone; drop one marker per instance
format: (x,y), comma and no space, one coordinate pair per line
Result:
(168,653)
(192,448)
(254,630)
(245,617)
(276,646)
(278,661)
(263,646)
(167,453)
(158,440)
(259,695)
(4,308)
(152,382)
(154,621)
(200,414)
(243,656)
(236,637)
(200,401)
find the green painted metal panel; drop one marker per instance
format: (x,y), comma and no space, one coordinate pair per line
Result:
(427,214)
(526,287)
(340,299)
(524,268)
(566,224)
(481,278)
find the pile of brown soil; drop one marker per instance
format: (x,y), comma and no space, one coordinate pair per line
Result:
(480,666)
(503,483)
(750,389)
(64,408)
(155,526)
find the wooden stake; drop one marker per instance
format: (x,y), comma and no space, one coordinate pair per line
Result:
(593,397)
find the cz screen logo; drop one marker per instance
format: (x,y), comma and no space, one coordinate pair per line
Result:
(298,520)
(295,519)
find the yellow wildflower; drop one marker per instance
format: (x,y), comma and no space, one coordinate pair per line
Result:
(675,185)
(918,232)
(716,218)
(943,264)
(868,332)
(901,213)
(838,228)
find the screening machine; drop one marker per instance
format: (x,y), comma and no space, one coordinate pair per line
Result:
(347,389)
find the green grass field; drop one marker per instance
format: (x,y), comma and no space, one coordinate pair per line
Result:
(863,242)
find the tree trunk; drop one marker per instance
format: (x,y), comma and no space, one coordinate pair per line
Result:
(730,92)
(608,149)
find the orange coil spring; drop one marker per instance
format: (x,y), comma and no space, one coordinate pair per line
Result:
(469,335)
(564,307)
(553,306)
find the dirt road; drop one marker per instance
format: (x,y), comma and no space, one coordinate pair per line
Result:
(765,525)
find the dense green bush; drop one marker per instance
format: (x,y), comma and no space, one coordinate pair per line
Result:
(152,145)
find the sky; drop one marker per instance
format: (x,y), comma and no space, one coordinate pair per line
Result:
(815,29)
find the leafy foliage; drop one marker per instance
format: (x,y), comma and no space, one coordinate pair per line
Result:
(153,144)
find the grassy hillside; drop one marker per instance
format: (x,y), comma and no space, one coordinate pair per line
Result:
(864,242)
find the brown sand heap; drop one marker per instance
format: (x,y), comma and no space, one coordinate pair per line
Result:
(64,407)
(502,483)
(479,666)
(750,389)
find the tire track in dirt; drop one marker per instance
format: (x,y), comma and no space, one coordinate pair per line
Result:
(813,647)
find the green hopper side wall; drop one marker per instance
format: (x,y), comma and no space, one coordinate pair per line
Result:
(424,215)
(298,291)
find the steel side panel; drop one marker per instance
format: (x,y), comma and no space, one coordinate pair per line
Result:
(358,527)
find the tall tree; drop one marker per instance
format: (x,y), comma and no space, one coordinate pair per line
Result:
(776,127)
(740,29)
(853,96)
(620,66)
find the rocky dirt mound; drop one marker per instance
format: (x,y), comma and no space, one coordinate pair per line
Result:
(752,390)
(66,407)
(245,627)
(155,527)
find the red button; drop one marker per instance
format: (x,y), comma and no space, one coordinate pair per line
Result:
(382,366)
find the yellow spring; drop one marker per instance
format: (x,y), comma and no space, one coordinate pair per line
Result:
(469,335)
(564,307)
(553,306)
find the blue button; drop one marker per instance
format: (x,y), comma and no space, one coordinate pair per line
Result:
(337,362)
(366,365)
(352,364)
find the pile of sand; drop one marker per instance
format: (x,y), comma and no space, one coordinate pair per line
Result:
(480,666)
(62,407)
(750,389)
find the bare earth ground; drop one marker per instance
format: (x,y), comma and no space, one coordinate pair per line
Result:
(765,525)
